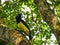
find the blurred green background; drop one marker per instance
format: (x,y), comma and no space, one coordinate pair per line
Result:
(40,30)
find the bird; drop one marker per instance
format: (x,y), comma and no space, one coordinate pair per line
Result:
(22,25)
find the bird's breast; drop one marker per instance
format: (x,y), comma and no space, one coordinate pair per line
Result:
(23,27)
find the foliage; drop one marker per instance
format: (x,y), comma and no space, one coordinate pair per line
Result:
(40,30)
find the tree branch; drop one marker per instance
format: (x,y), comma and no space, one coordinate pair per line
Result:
(50,17)
(13,36)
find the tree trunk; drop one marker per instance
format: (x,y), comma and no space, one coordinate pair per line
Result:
(50,17)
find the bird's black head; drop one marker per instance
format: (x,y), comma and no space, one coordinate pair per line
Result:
(18,17)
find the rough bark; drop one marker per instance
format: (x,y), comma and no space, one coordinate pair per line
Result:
(50,17)
(13,36)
